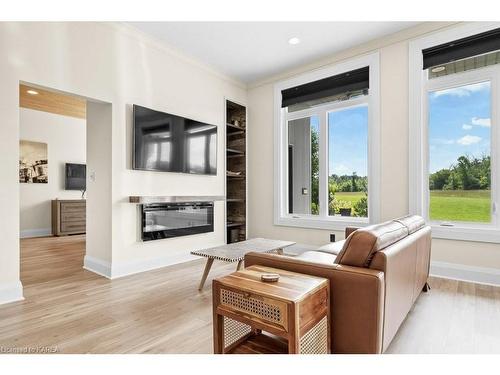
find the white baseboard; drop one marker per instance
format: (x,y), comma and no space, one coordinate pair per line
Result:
(11,292)
(480,275)
(121,269)
(97,266)
(28,233)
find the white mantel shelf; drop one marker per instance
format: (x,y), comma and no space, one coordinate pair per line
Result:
(140,199)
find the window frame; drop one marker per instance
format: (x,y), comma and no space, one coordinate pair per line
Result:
(420,86)
(372,100)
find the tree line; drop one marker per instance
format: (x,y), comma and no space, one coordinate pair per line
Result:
(347,183)
(468,173)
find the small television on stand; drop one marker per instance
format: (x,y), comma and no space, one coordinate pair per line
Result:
(76,177)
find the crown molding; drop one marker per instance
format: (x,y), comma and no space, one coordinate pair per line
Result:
(160,45)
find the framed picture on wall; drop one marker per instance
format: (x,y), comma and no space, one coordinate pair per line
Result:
(33,162)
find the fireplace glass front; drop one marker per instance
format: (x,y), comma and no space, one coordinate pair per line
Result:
(167,220)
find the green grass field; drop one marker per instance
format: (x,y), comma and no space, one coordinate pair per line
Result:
(351,197)
(461,205)
(449,205)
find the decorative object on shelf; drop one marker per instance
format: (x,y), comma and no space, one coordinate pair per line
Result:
(33,162)
(233,174)
(270,277)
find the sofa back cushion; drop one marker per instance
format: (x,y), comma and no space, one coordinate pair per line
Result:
(362,244)
(412,222)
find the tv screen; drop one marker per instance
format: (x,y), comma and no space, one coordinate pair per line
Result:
(76,177)
(170,143)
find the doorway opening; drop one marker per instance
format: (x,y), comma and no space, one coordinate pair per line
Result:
(55,142)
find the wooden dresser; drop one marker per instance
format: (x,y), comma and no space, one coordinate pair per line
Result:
(68,216)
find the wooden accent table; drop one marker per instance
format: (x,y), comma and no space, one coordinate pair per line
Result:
(295,311)
(235,252)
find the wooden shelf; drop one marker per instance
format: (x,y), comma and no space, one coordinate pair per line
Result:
(231,128)
(234,225)
(235,177)
(236,156)
(139,199)
(236,145)
(234,151)
(238,132)
(261,344)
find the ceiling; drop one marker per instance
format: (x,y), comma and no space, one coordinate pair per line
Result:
(50,101)
(251,51)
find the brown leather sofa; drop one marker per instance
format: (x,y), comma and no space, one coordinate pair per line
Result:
(376,274)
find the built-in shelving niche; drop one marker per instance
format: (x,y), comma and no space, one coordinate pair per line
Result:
(236,179)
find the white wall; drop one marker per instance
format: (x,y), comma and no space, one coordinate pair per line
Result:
(66,140)
(113,64)
(394,156)
(99,242)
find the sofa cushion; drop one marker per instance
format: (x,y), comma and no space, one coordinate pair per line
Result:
(332,248)
(317,257)
(412,222)
(363,243)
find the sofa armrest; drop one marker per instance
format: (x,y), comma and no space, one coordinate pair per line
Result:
(356,300)
(349,230)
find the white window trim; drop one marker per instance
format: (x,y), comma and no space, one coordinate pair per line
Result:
(418,146)
(323,221)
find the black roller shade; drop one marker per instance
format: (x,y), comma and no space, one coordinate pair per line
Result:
(462,48)
(354,80)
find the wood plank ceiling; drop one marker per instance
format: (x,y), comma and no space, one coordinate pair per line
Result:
(53,102)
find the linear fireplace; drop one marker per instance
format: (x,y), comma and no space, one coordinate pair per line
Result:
(167,220)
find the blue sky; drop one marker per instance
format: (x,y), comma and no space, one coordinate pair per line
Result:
(459,124)
(348,141)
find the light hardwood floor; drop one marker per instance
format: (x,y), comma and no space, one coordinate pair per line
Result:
(161,311)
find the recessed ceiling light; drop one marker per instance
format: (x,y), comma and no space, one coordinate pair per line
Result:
(294,40)
(438,69)
(32,92)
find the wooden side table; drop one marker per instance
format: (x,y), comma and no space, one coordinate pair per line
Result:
(288,316)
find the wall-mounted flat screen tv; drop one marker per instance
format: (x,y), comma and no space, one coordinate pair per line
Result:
(169,143)
(76,177)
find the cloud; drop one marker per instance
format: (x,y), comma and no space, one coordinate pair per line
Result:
(468,140)
(484,122)
(341,169)
(462,91)
(442,141)
(466,127)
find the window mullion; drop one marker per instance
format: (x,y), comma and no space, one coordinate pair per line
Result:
(323,164)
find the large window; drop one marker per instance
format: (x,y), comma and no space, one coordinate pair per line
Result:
(348,161)
(459,128)
(454,135)
(327,157)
